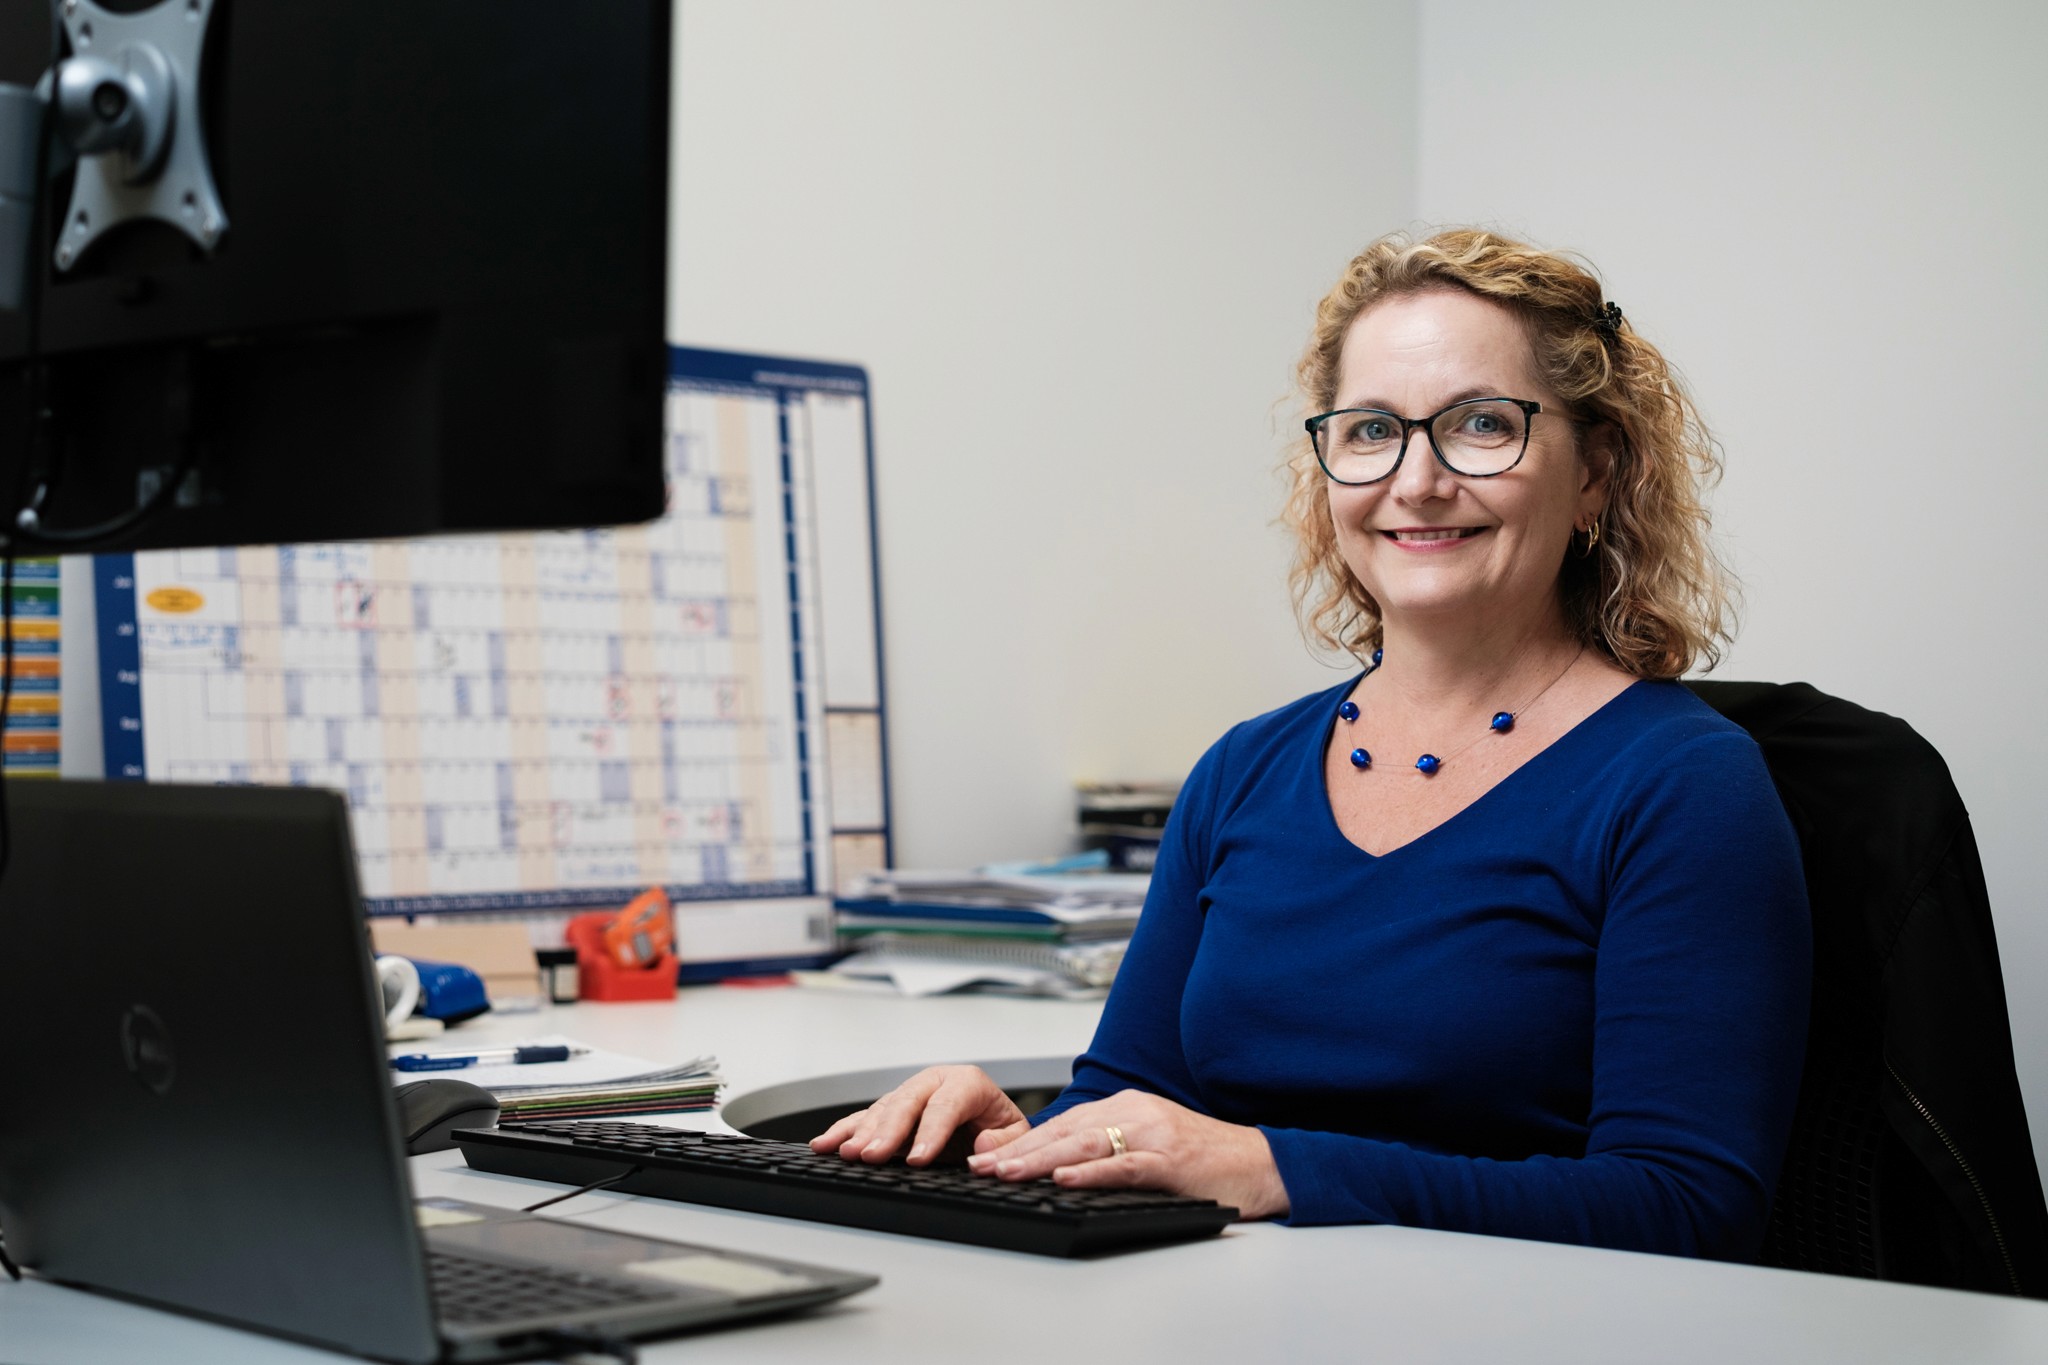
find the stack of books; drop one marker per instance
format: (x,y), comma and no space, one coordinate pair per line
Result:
(1060,934)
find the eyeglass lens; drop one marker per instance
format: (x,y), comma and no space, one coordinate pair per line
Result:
(1485,436)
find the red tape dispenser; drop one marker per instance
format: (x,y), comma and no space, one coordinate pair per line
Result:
(627,954)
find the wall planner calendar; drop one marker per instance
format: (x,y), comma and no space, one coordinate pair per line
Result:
(534,722)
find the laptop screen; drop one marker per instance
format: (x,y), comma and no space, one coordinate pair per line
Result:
(198,1106)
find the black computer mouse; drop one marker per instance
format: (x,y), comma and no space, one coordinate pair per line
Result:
(429,1110)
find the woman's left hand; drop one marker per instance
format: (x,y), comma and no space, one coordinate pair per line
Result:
(1166,1147)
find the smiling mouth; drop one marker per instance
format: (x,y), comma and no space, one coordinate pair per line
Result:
(1448,533)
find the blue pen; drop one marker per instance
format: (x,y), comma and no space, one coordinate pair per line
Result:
(518,1056)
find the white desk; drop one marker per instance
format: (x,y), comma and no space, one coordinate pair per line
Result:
(1256,1293)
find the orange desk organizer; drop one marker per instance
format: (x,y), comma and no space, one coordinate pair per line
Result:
(598,977)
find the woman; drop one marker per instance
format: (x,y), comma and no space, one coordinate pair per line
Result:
(1507,934)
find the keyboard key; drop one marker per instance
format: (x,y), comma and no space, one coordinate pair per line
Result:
(472,1291)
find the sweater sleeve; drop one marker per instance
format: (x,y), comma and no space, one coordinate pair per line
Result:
(1137,1044)
(1701,979)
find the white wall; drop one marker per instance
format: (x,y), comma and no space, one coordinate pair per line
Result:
(1831,217)
(1078,245)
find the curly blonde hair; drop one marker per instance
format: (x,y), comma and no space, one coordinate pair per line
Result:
(1653,596)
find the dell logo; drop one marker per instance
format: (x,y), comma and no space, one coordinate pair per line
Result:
(146,1048)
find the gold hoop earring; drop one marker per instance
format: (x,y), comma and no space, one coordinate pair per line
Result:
(1592,534)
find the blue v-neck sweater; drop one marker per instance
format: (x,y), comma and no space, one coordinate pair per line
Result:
(1574,1011)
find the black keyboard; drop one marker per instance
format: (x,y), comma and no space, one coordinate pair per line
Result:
(789,1179)
(473,1292)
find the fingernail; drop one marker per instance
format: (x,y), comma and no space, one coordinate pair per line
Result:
(917,1152)
(1008,1166)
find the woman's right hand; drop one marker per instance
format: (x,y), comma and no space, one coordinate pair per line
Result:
(936,1102)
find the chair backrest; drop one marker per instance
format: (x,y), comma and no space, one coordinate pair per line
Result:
(1910,1157)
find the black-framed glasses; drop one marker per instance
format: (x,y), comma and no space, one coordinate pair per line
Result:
(1478,437)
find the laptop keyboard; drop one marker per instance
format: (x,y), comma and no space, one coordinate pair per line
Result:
(478,1292)
(787,1178)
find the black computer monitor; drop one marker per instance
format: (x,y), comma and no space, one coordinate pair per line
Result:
(434,302)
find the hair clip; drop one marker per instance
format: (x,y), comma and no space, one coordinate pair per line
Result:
(1608,320)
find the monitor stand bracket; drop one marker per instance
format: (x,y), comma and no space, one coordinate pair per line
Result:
(127,102)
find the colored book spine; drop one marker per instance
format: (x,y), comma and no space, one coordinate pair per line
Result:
(32,738)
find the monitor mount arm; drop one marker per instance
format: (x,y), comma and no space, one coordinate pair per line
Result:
(127,106)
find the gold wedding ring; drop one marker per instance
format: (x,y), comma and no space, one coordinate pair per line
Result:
(1117,1145)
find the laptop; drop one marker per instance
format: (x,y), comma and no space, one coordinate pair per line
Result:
(198,1109)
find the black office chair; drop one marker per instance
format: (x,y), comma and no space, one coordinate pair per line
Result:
(1910,1157)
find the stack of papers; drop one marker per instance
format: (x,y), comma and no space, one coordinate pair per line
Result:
(597,1082)
(1085,893)
(935,965)
(925,933)
(1065,908)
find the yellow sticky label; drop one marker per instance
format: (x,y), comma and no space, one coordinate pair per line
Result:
(179,600)
(431,1217)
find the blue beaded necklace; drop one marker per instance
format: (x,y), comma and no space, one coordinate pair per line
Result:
(1429,764)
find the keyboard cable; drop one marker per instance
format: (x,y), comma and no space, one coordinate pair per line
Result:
(30,376)
(605,1183)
